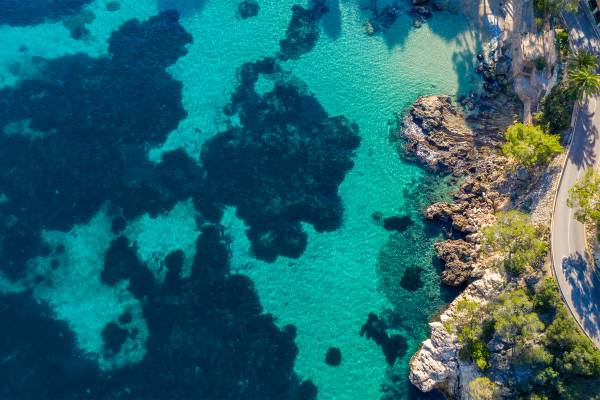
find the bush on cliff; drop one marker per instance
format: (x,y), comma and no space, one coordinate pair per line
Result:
(544,351)
(529,146)
(517,241)
(483,388)
(471,333)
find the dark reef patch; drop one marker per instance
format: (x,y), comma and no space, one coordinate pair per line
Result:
(303,31)
(113,6)
(33,12)
(121,263)
(393,346)
(333,357)
(282,165)
(113,336)
(398,223)
(248,9)
(98,129)
(411,279)
(39,356)
(208,335)
(212,251)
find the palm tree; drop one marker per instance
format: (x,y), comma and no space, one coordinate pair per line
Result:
(583,82)
(584,59)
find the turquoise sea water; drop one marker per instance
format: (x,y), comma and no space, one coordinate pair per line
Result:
(343,275)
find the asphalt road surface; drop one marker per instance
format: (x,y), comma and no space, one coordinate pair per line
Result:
(577,278)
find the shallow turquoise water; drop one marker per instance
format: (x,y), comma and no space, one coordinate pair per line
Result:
(329,291)
(343,275)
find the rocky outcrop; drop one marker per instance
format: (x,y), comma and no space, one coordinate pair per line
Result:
(447,140)
(465,144)
(437,365)
(459,258)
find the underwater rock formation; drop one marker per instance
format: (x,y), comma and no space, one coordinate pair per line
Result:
(33,12)
(97,129)
(121,263)
(397,223)
(393,346)
(39,355)
(445,139)
(208,335)
(282,165)
(411,279)
(248,9)
(333,357)
(303,31)
(114,336)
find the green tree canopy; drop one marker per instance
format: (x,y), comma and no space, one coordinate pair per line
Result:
(548,8)
(516,239)
(583,82)
(467,324)
(514,318)
(483,388)
(576,353)
(529,146)
(557,109)
(584,59)
(585,197)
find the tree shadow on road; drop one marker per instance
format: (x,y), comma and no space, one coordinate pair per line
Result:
(585,156)
(585,292)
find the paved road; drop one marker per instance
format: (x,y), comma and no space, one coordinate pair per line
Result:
(577,279)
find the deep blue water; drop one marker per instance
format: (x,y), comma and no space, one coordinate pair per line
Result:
(199,203)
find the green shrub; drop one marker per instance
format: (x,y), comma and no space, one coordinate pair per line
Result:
(562,41)
(540,63)
(479,354)
(557,108)
(518,242)
(529,145)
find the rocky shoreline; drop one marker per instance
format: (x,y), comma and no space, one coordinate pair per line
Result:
(463,139)
(447,140)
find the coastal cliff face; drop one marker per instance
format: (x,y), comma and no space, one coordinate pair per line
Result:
(437,364)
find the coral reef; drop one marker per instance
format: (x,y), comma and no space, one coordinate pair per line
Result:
(411,279)
(333,357)
(207,335)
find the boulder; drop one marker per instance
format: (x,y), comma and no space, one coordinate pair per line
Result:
(459,259)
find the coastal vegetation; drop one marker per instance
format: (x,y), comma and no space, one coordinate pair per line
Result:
(585,197)
(584,59)
(583,82)
(582,79)
(516,240)
(529,145)
(550,8)
(556,109)
(548,355)
(483,388)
